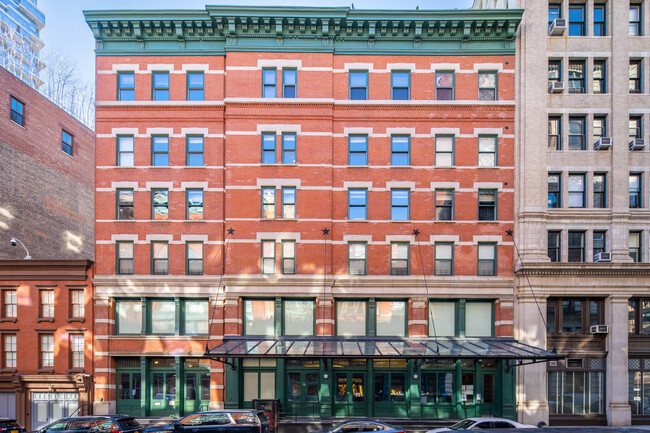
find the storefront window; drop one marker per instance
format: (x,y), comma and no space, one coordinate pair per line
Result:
(163,317)
(298,317)
(259,379)
(259,317)
(389,387)
(639,385)
(577,387)
(437,387)
(351,318)
(391,318)
(129,317)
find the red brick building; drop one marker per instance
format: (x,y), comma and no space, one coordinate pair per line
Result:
(279,123)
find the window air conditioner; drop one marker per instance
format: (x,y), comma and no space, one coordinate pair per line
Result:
(599,329)
(637,144)
(603,257)
(557,27)
(556,87)
(603,143)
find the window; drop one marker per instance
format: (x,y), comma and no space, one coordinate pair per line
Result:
(399,204)
(554,250)
(554,72)
(487,86)
(576,190)
(66,142)
(554,12)
(576,20)
(289,81)
(400,85)
(554,190)
(194,209)
(163,317)
(399,258)
(47,303)
(289,202)
(635,246)
(358,150)
(77,304)
(194,151)
(357,258)
(577,387)
(129,316)
(600,127)
(635,76)
(160,150)
(77,349)
(442,319)
(600,28)
(358,85)
(573,315)
(400,146)
(487,151)
(600,242)
(269,78)
(635,190)
(160,82)
(577,133)
(10,350)
(487,259)
(259,317)
(124,257)
(444,86)
(125,204)
(16,111)
(268,148)
(639,317)
(639,384)
(478,319)
(444,204)
(125,154)
(288,148)
(555,133)
(600,75)
(444,258)
(10,299)
(47,351)
(288,257)
(600,190)
(444,150)
(351,318)
(390,319)
(576,246)
(126,86)
(194,254)
(268,257)
(196,317)
(635,20)
(576,76)
(298,317)
(268,202)
(159,258)
(357,204)
(195,86)
(160,204)
(487,204)
(635,128)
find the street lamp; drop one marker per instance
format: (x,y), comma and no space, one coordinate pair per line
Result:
(15,241)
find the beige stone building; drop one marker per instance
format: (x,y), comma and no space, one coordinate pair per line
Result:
(582,209)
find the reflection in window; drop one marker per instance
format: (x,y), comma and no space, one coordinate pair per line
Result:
(350,318)
(391,318)
(259,317)
(298,317)
(163,317)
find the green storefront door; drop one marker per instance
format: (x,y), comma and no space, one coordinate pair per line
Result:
(163,393)
(467,395)
(487,402)
(390,394)
(197,392)
(129,392)
(350,396)
(302,393)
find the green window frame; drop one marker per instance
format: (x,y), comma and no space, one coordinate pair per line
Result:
(194,204)
(289,147)
(445,145)
(577,190)
(160,86)
(159,150)
(357,204)
(487,259)
(195,151)
(162,316)
(399,258)
(125,151)
(400,85)
(488,150)
(195,316)
(268,202)
(289,83)
(487,86)
(125,209)
(288,257)
(195,86)
(357,258)
(289,200)
(475,310)
(194,258)
(600,76)
(269,83)
(16,111)
(134,314)
(66,142)
(400,150)
(159,258)
(358,84)
(487,205)
(577,241)
(445,85)
(126,86)
(268,257)
(262,311)
(358,150)
(298,317)
(461,317)
(159,204)
(124,257)
(444,199)
(443,264)
(391,318)
(268,148)
(554,245)
(400,204)
(351,317)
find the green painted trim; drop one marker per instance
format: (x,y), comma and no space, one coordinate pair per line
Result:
(446,260)
(295,200)
(286,241)
(365,206)
(262,255)
(117,257)
(453,149)
(408,256)
(153,259)
(365,259)
(267,188)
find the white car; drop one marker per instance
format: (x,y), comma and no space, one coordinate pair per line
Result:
(480,424)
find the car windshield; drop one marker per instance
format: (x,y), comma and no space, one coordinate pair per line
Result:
(336,428)
(462,425)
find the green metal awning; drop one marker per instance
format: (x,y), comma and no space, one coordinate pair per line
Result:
(378,348)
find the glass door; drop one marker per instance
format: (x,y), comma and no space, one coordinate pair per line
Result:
(437,394)
(197,392)
(350,398)
(487,401)
(467,395)
(163,393)
(302,393)
(129,392)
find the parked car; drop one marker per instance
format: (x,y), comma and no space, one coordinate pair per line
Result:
(9,425)
(95,424)
(218,421)
(481,424)
(361,426)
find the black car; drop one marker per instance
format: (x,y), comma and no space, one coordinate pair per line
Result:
(93,424)
(218,421)
(9,425)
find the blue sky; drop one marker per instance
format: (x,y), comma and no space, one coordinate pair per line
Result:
(66,29)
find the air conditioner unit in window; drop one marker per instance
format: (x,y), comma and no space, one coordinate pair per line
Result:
(637,144)
(556,87)
(552,363)
(599,329)
(557,27)
(603,143)
(603,257)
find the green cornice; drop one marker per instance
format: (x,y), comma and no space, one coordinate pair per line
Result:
(218,29)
